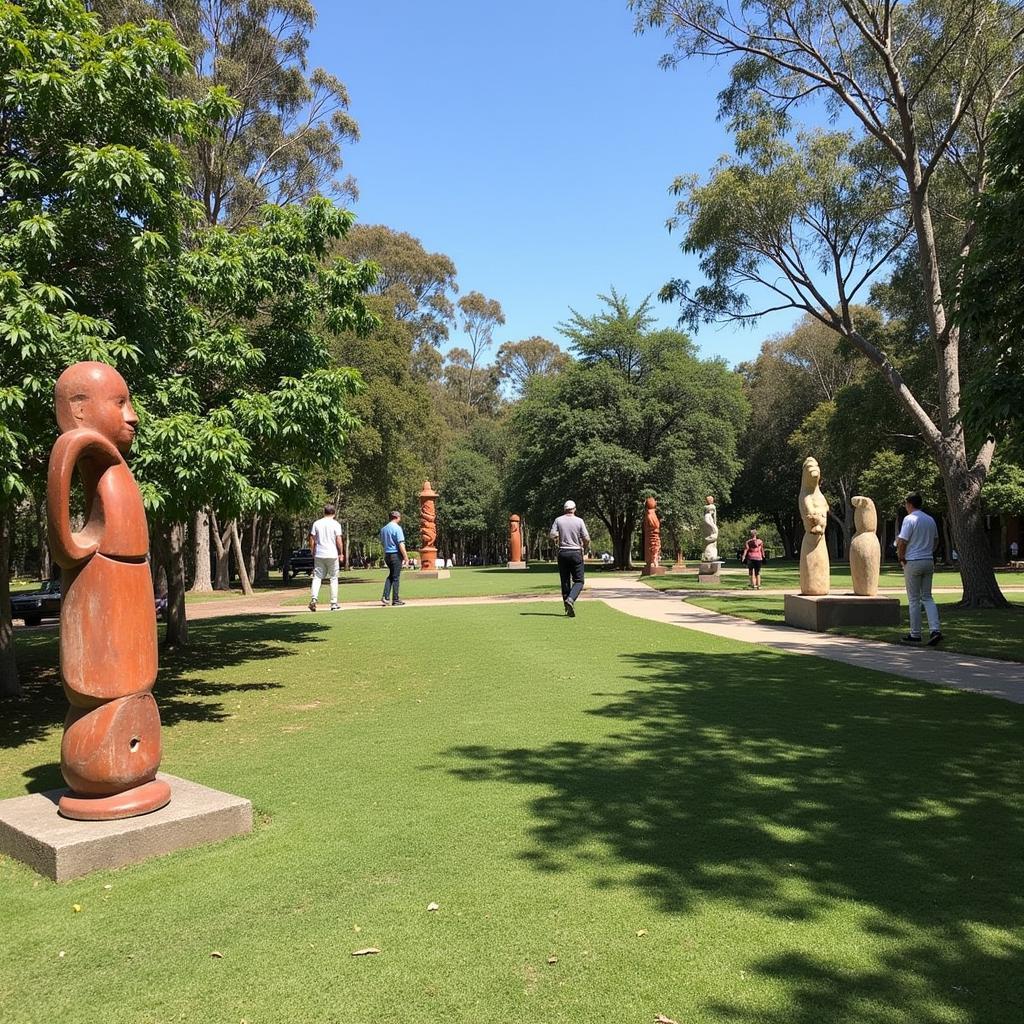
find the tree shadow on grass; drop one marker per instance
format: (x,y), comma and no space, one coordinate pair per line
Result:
(794,787)
(181,690)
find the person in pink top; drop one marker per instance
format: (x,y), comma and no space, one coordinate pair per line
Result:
(753,555)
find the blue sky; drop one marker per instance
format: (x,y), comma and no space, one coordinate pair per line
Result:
(534,143)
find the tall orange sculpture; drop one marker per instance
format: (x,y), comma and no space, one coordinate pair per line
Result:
(652,540)
(108,645)
(428,527)
(515,543)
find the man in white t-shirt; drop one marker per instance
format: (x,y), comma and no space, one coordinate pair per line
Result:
(325,541)
(916,549)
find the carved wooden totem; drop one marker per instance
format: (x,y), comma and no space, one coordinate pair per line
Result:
(515,539)
(652,539)
(428,527)
(108,646)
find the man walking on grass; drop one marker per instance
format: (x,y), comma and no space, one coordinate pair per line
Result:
(916,545)
(327,546)
(392,537)
(573,540)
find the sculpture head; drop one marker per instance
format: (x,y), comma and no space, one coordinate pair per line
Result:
(810,477)
(514,519)
(651,503)
(709,500)
(865,517)
(94,395)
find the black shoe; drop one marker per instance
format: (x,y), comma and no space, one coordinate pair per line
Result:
(396,604)
(569,610)
(935,638)
(910,639)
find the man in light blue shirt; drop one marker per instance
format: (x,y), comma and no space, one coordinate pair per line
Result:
(916,549)
(392,537)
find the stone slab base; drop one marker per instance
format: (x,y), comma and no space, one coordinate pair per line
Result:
(33,832)
(705,577)
(821,613)
(679,567)
(710,568)
(516,565)
(433,574)
(653,570)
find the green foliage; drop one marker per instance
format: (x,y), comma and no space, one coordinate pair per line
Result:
(639,414)
(891,476)
(472,494)
(518,362)
(91,206)
(1003,493)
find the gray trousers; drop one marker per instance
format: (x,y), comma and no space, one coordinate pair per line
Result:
(918,576)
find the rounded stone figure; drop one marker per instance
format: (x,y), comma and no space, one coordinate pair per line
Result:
(814,563)
(710,530)
(515,539)
(865,551)
(108,648)
(652,534)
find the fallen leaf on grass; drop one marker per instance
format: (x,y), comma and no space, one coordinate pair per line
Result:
(552,959)
(217,955)
(662,1019)
(433,906)
(366,952)
(641,933)
(77,907)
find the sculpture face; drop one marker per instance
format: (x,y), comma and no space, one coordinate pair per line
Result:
(94,395)
(811,472)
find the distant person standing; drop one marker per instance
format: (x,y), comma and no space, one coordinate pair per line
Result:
(1014,550)
(753,555)
(571,533)
(919,536)
(327,546)
(392,538)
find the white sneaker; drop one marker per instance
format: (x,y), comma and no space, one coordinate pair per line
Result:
(312,604)
(335,607)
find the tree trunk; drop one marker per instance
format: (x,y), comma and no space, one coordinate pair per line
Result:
(171,551)
(42,537)
(222,542)
(963,498)
(263,550)
(622,544)
(10,685)
(243,572)
(203,582)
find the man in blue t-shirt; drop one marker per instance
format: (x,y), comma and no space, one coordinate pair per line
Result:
(916,549)
(392,538)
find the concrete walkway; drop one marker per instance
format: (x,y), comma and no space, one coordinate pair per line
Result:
(1003,679)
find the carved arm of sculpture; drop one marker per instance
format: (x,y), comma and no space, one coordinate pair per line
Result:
(71,549)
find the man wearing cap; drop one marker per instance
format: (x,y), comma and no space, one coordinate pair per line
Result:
(571,533)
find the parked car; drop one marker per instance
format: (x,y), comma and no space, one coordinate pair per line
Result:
(35,605)
(300,560)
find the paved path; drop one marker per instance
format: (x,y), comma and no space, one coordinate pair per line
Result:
(1003,679)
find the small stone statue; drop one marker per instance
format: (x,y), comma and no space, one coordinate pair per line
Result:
(710,530)
(814,564)
(865,551)
(108,650)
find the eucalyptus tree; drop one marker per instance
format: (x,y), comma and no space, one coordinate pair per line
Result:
(518,362)
(810,218)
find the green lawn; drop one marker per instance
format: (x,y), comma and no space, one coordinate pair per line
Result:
(368,584)
(785,575)
(987,632)
(617,818)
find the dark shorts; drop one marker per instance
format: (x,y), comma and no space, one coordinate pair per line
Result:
(754,564)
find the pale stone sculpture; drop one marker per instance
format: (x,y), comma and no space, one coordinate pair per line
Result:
(814,564)
(865,551)
(710,530)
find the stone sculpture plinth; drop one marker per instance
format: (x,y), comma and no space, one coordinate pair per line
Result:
(652,540)
(820,613)
(428,535)
(515,543)
(111,749)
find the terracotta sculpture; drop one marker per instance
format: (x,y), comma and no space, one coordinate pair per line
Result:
(652,539)
(108,651)
(814,564)
(515,542)
(428,527)
(865,551)
(710,530)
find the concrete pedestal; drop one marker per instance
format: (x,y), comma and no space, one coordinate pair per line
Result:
(678,567)
(653,570)
(433,574)
(822,613)
(709,572)
(516,565)
(33,832)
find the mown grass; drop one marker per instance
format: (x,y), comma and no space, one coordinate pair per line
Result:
(618,818)
(785,575)
(991,633)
